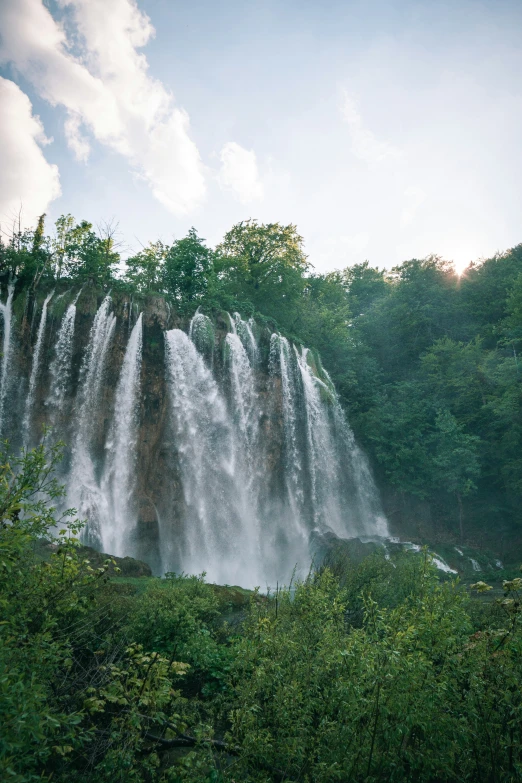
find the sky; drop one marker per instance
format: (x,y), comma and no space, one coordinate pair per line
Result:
(384,129)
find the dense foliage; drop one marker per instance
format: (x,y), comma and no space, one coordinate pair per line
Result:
(368,672)
(426,360)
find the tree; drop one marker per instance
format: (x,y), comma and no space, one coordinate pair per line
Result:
(84,255)
(265,263)
(422,306)
(77,698)
(146,269)
(406,695)
(397,426)
(455,464)
(27,255)
(365,285)
(453,373)
(64,226)
(485,291)
(188,268)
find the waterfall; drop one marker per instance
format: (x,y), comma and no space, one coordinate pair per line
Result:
(93,365)
(35,369)
(245,333)
(244,397)
(6,311)
(322,464)
(371,520)
(60,367)
(219,532)
(343,494)
(326,479)
(118,480)
(201,332)
(83,490)
(257,458)
(282,360)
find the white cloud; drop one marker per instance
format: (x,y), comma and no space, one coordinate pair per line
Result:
(106,89)
(239,172)
(75,139)
(365,144)
(27,180)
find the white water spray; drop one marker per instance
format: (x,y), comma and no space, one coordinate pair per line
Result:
(368,518)
(83,490)
(244,330)
(327,477)
(282,362)
(118,480)
(201,332)
(344,496)
(245,407)
(7,316)
(323,468)
(60,367)
(219,528)
(35,369)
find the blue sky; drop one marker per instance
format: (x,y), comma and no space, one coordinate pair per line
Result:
(384,130)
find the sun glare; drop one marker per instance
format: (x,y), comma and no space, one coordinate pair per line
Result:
(460,267)
(461,260)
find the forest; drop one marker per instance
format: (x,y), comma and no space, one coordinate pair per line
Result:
(371,668)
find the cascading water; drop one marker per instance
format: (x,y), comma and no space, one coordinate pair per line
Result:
(327,483)
(244,330)
(118,480)
(7,316)
(60,367)
(35,369)
(245,410)
(371,520)
(343,493)
(219,532)
(201,332)
(256,470)
(323,468)
(245,406)
(327,478)
(83,489)
(282,362)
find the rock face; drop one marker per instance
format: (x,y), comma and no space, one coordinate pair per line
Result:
(251,513)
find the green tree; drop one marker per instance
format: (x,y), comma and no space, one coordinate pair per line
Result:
(146,270)
(407,695)
(188,272)
(63,226)
(27,255)
(453,373)
(264,263)
(421,307)
(403,416)
(455,462)
(365,285)
(77,698)
(485,291)
(83,255)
